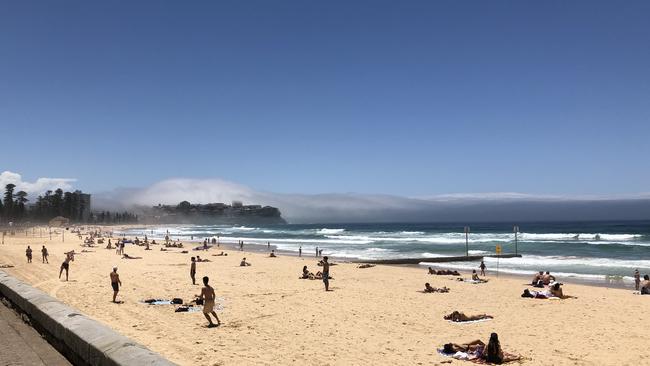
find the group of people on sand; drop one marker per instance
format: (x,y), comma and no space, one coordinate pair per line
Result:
(642,286)
(443,272)
(551,288)
(477,350)
(320,275)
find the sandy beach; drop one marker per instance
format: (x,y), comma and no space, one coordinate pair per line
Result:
(373,316)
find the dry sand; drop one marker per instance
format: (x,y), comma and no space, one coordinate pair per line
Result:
(374,316)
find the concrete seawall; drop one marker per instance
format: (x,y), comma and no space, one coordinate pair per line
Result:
(82,340)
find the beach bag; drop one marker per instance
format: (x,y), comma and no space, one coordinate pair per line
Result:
(177,300)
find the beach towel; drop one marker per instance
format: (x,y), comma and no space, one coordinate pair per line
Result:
(157,302)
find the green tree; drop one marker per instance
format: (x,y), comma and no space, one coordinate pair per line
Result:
(21,199)
(9,201)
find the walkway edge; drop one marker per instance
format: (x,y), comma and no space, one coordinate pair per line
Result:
(82,340)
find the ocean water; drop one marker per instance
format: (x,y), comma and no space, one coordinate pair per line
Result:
(584,250)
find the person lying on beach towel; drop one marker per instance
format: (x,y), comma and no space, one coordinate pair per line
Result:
(457,316)
(126,256)
(199,259)
(222,254)
(429,289)
(443,272)
(477,352)
(365,265)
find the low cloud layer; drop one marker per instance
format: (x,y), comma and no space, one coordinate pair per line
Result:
(34,188)
(352,207)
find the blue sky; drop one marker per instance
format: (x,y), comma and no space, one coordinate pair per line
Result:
(407,98)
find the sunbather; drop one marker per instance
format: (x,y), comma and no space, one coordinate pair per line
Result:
(126,256)
(429,289)
(457,316)
(243,263)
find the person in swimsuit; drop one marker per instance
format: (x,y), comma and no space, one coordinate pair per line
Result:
(28,253)
(326,273)
(637,279)
(66,265)
(207,295)
(45,254)
(193,271)
(482,267)
(115,283)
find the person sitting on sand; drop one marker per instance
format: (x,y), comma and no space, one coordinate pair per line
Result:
(126,256)
(243,263)
(109,246)
(475,276)
(457,316)
(645,285)
(305,273)
(493,352)
(272,255)
(547,278)
(199,259)
(432,271)
(538,279)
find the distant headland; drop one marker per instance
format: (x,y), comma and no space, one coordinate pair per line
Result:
(211,213)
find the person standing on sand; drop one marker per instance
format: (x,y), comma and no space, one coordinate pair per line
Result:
(193,271)
(207,295)
(66,265)
(28,253)
(44,254)
(637,279)
(316,252)
(300,251)
(115,283)
(326,273)
(482,267)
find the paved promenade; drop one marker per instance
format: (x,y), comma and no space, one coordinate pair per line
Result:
(20,344)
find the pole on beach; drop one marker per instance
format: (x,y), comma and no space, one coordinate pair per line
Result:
(516,230)
(467,241)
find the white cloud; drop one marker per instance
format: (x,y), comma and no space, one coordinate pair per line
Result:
(34,188)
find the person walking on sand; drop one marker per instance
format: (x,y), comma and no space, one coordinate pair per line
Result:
(482,267)
(637,279)
(326,273)
(207,295)
(193,271)
(115,283)
(44,254)
(28,253)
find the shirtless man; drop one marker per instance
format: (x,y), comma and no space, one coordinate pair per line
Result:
(193,271)
(44,254)
(326,273)
(482,267)
(115,283)
(207,295)
(66,265)
(28,253)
